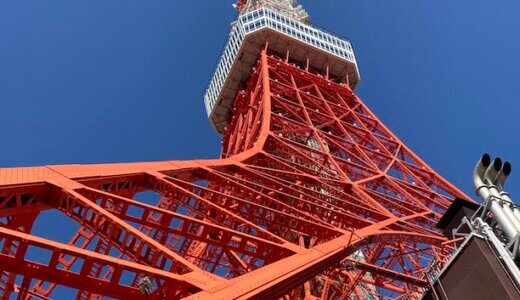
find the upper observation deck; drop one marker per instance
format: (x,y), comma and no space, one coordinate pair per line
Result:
(250,34)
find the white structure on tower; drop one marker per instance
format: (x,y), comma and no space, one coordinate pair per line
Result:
(288,8)
(284,27)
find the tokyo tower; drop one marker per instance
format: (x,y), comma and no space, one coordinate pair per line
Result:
(312,197)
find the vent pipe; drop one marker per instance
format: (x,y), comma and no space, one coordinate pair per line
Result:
(484,176)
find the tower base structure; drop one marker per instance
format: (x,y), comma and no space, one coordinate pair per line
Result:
(476,272)
(313,197)
(486,264)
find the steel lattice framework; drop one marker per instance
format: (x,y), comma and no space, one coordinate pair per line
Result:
(313,197)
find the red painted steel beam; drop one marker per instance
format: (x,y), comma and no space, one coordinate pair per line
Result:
(388,273)
(206,232)
(49,271)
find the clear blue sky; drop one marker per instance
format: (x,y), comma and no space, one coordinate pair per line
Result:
(111,81)
(118,81)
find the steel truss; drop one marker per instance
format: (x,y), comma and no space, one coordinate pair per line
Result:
(313,198)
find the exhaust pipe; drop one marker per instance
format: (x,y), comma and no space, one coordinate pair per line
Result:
(478,174)
(506,198)
(502,175)
(484,176)
(507,202)
(492,171)
(495,174)
(500,181)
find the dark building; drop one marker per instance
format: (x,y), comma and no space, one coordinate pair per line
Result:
(479,269)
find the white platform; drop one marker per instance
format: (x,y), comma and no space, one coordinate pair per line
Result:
(250,33)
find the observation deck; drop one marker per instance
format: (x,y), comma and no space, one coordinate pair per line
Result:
(250,33)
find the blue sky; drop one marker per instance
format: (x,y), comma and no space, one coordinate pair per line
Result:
(118,81)
(111,81)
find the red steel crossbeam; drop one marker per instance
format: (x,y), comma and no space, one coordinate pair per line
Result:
(313,197)
(388,273)
(49,272)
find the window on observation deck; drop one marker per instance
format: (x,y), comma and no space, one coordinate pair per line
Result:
(266,18)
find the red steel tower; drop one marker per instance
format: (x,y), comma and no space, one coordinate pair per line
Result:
(313,197)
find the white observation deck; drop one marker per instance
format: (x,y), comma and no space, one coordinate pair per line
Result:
(250,33)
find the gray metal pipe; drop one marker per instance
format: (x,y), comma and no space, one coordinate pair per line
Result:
(496,185)
(503,254)
(478,173)
(508,203)
(503,175)
(484,176)
(508,211)
(492,171)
